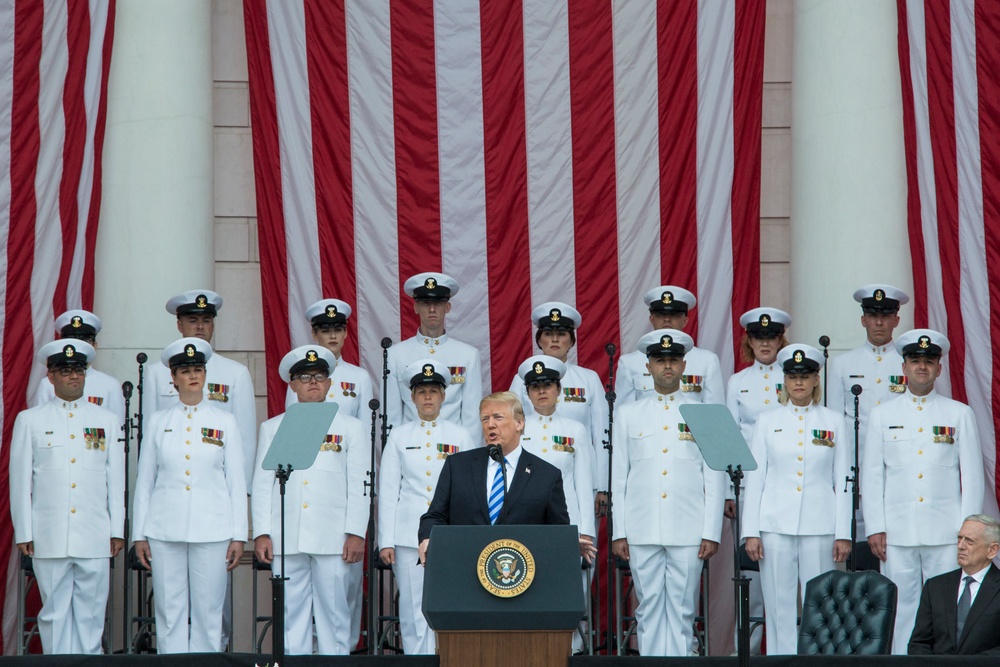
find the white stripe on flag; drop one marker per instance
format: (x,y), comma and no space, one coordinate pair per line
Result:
(637,153)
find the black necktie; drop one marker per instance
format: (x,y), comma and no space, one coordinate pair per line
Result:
(964,603)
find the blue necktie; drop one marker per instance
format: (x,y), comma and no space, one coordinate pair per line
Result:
(964,603)
(497,493)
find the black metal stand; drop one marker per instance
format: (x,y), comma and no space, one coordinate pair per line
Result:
(127,441)
(741,583)
(130,642)
(855,481)
(610,396)
(824,342)
(372,541)
(278,579)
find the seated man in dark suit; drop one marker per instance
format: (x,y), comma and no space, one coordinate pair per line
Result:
(470,490)
(959,611)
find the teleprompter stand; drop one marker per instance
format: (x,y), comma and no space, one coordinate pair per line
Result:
(723,448)
(295,446)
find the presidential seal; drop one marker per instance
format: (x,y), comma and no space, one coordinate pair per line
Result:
(506,568)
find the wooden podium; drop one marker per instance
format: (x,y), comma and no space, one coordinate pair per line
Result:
(504,595)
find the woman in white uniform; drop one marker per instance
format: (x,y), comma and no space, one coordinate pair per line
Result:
(411,465)
(190,506)
(797,519)
(751,391)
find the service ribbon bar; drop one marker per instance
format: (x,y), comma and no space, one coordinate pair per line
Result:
(444,451)
(94,438)
(897,384)
(218,392)
(96,400)
(685,432)
(212,436)
(457,374)
(332,443)
(563,443)
(348,389)
(574,394)
(692,383)
(945,434)
(824,438)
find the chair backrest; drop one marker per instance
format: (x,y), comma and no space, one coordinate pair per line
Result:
(848,613)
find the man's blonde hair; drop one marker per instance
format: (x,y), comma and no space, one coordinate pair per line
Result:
(507,398)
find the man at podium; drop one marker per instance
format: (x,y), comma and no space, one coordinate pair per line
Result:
(471,488)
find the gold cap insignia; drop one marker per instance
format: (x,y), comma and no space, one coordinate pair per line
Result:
(924,342)
(764,320)
(428,370)
(331,311)
(879,295)
(798,357)
(69,351)
(76,322)
(311,356)
(666,341)
(189,350)
(430,283)
(201,301)
(539,368)
(668,297)
(554,314)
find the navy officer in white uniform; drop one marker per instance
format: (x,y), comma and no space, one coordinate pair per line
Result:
(326,516)
(190,506)
(671,503)
(432,293)
(703,381)
(921,475)
(408,475)
(350,385)
(67,482)
(100,389)
(873,366)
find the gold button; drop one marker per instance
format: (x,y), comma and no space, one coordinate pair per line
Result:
(920,475)
(878,380)
(640,434)
(49,445)
(663,495)
(187,488)
(767,375)
(305,506)
(801,418)
(800,473)
(666,428)
(190,417)
(545,437)
(767,401)
(544,426)
(71,415)
(427,445)
(72,436)
(428,458)
(428,473)
(187,442)
(544,450)
(800,444)
(305,482)
(920,452)
(798,488)
(72,510)
(188,428)
(428,502)
(428,432)
(920,407)
(187,457)
(921,499)
(801,431)
(428,488)
(920,430)
(187,472)
(767,389)
(665,450)
(800,457)
(72,460)
(72,485)
(432,350)
(664,472)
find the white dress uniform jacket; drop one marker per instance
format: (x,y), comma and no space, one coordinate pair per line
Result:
(582,400)
(408,475)
(324,503)
(753,390)
(350,388)
(564,443)
(67,479)
(227,385)
(803,457)
(100,389)
(189,486)
(667,495)
(878,369)
(461,403)
(703,381)
(922,470)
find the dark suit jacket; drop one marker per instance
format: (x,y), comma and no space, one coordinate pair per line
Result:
(934,631)
(535,494)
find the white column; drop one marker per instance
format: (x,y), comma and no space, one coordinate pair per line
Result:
(156,234)
(848,225)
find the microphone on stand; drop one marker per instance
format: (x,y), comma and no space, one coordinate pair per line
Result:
(141,358)
(824,342)
(856,390)
(610,348)
(127,389)
(386,343)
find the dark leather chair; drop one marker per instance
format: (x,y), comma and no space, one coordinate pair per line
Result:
(846,613)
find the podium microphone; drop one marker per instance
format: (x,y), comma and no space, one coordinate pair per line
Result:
(386,343)
(141,358)
(610,349)
(856,390)
(127,389)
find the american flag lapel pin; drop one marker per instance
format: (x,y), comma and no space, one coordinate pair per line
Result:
(527,470)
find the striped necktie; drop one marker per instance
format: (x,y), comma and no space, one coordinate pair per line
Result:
(497,493)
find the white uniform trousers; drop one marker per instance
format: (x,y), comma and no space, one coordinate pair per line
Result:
(666,582)
(189,581)
(789,561)
(356,600)
(418,638)
(74,595)
(320,587)
(909,568)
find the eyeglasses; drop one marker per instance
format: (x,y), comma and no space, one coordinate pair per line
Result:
(67,371)
(306,378)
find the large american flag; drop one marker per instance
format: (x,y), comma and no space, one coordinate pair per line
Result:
(54,60)
(949,58)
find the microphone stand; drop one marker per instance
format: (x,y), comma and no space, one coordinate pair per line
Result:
(126,440)
(855,480)
(824,341)
(610,395)
(278,579)
(140,359)
(386,426)
(372,541)
(140,588)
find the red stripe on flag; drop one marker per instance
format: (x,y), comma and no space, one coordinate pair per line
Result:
(24,149)
(987,64)
(941,102)
(93,215)
(677,47)
(748,86)
(506,168)
(270,215)
(591,75)
(74,142)
(913,211)
(418,190)
(326,44)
